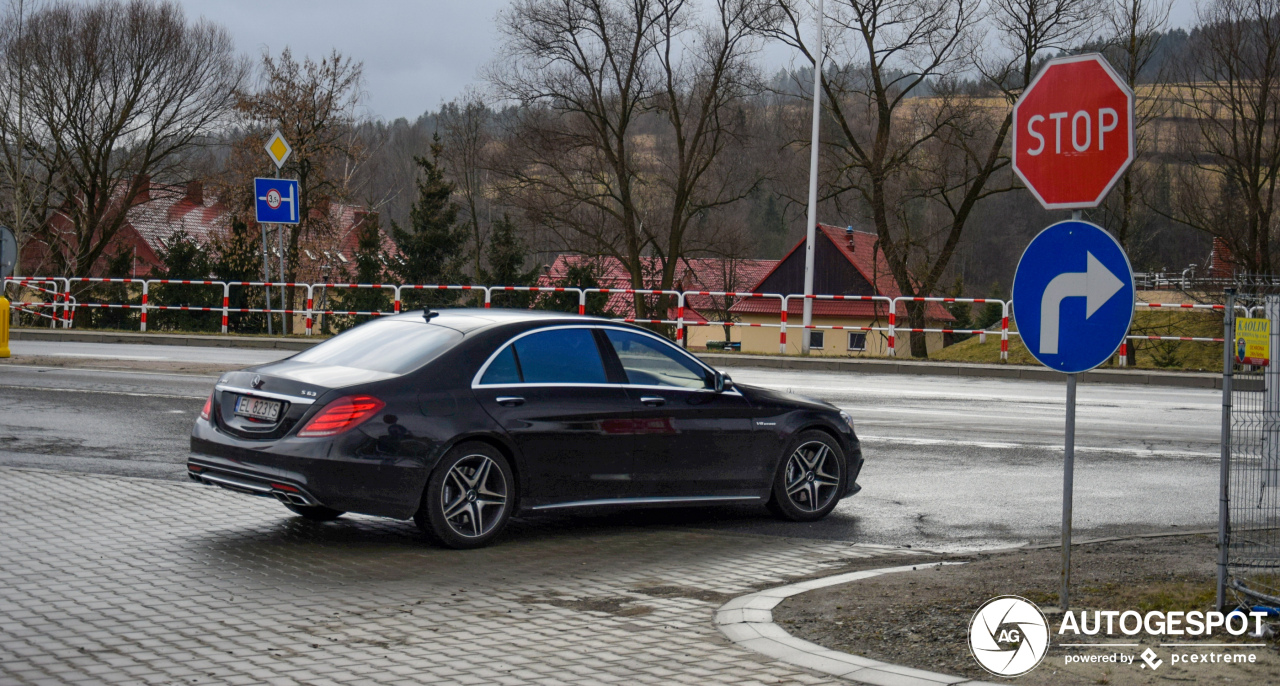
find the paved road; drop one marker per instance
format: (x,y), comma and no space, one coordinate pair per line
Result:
(950,462)
(106,580)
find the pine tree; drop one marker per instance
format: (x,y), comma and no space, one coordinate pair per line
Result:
(433,248)
(369,268)
(238,257)
(507,255)
(584,274)
(991,313)
(182,257)
(119,266)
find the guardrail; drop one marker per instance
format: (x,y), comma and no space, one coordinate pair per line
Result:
(63,306)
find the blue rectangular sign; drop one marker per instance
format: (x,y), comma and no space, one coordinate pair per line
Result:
(276,201)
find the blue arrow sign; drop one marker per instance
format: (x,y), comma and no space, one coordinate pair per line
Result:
(276,201)
(1073,296)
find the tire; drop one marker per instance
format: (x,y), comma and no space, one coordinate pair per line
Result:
(814,470)
(468,498)
(316,513)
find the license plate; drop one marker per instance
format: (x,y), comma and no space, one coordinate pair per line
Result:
(257,408)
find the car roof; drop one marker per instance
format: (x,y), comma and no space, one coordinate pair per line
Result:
(468,319)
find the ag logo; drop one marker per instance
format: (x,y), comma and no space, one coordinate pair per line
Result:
(1008,636)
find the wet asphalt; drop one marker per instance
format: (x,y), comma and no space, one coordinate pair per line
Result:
(951,463)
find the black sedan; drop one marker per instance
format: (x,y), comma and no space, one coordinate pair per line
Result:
(461,418)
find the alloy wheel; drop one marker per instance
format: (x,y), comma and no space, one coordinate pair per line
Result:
(812,477)
(474,494)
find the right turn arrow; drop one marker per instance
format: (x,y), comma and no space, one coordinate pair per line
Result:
(1096,285)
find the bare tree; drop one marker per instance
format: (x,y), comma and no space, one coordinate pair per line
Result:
(629,108)
(1135,28)
(908,146)
(313,105)
(25,187)
(118,93)
(466,133)
(1230,137)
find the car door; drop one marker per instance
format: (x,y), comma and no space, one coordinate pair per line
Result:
(690,441)
(549,391)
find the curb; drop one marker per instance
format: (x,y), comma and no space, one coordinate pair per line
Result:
(748,621)
(195,340)
(721,360)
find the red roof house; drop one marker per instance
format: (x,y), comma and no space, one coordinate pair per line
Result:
(846,262)
(700,274)
(161,210)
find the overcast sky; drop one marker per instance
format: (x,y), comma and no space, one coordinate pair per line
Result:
(416,53)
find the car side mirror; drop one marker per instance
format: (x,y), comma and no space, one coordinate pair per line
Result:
(721,382)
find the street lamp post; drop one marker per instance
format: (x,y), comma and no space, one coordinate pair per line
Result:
(811,228)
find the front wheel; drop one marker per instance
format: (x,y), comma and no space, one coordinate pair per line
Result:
(469,497)
(810,479)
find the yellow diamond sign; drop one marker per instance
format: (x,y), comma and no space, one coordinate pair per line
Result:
(278,149)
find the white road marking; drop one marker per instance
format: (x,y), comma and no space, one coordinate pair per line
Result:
(995,445)
(102,392)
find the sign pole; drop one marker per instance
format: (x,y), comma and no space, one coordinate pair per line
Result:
(1068,477)
(284,329)
(266,273)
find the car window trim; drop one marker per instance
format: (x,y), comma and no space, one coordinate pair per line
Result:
(475,381)
(681,351)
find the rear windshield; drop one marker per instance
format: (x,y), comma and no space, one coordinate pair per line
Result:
(395,346)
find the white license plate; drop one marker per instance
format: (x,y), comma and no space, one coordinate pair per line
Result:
(257,408)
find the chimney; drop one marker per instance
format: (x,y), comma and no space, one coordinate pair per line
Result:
(144,189)
(195,193)
(848,235)
(1222,263)
(322,206)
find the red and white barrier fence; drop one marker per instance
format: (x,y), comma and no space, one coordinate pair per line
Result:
(63,305)
(59,299)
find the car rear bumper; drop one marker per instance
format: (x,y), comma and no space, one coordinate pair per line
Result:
(323,472)
(250,484)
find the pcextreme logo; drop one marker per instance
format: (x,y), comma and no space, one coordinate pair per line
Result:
(1008,636)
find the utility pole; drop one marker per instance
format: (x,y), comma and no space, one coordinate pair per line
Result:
(812,227)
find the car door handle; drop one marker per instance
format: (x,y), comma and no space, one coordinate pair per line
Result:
(510,400)
(653,400)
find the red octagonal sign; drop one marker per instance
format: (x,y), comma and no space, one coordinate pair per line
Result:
(1073,132)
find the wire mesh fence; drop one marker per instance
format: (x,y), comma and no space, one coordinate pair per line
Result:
(1253,467)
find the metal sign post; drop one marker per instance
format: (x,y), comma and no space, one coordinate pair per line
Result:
(268,206)
(1073,296)
(1073,138)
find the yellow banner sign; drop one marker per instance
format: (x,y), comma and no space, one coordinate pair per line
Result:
(1253,341)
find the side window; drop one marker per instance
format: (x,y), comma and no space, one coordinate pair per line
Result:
(503,369)
(560,356)
(651,363)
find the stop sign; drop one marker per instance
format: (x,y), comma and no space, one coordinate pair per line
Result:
(1073,132)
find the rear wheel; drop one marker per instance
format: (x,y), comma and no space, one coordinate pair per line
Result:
(810,479)
(468,498)
(316,513)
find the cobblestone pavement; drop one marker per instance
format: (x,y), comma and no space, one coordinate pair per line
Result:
(116,580)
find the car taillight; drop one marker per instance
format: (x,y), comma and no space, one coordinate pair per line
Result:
(341,414)
(208,408)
